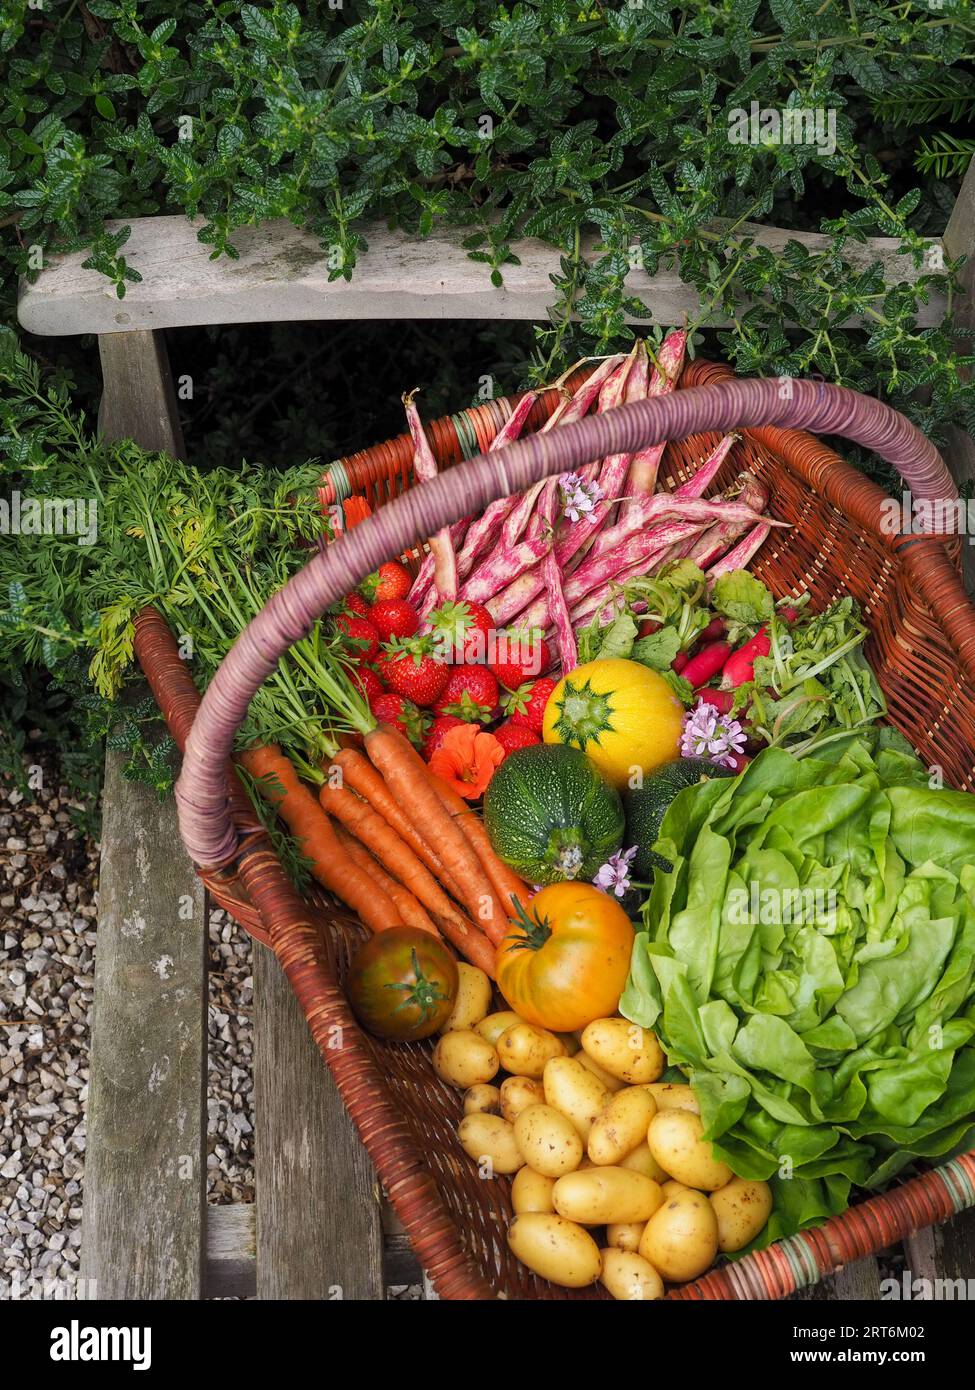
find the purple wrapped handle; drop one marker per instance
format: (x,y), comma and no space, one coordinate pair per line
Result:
(201,792)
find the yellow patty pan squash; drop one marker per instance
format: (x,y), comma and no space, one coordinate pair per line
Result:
(622,715)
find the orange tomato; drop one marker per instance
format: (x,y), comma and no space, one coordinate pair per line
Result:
(564,961)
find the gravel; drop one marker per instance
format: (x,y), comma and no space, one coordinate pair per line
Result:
(48,907)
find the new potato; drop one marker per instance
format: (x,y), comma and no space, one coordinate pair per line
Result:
(482,1098)
(569,1087)
(612,1083)
(674,1137)
(624,1049)
(464,1059)
(490,1137)
(742,1208)
(494,1025)
(672,1095)
(531,1191)
(524,1049)
(623,1235)
(517,1093)
(622,1125)
(641,1160)
(629,1276)
(681,1238)
(597,1196)
(548,1141)
(472,1000)
(555,1249)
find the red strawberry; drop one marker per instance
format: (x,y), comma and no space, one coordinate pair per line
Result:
(471,693)
(389,581)
(367,683)
(393,709)
(519,656)
(526,705)
(393,617)
(437,731)
(511,736)
(360,636)
(462,627)
(409,667)
(355,603)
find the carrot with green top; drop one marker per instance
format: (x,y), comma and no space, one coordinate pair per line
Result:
(278,782)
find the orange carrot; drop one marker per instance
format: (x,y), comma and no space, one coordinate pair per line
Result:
(393,853)
(471,943)
(506,882)
(358,773)
(411,911)
(278,782)
(409,781)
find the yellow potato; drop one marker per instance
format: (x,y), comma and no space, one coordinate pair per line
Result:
(612,1083)
(671,1095)
(490,1141)
(473,998)
(629,1276)
(571,1043)
(624,1049)
(549,1142)
(674,1137)
(742,1208)
(482,1099)
(641,1160)
(555,1249)
(681,1238)
(597,1196)
(465,1059)
(622,1125)
(531,1191)
(494,1025)
(671,1186)
(517,1093)
(622,1235)
(569,1087)
(524,1049)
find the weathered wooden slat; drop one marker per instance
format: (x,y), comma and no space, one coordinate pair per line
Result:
(945,1253)
(137,391)
(231,1251)
(319,1226)
(282,275)
(859,1282)
(143,1223)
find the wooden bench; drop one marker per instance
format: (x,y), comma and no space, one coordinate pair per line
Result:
(318,1228)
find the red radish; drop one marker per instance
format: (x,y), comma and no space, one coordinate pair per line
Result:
(707,663)
(437,732)
(511,736)
(394,617)
(736,761)
(740,666)
(714,631)
(721,700)
(788,614)
(648,627)
(471,693)
(360,636)
(679,662)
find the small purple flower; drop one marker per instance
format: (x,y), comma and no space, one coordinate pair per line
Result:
(708,734)
(614,876)
(579,497)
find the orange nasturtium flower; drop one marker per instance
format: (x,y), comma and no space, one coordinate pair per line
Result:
(466,760)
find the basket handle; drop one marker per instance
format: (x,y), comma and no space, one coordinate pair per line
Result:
(201,792)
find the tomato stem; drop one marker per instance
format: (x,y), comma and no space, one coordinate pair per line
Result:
(535,931)
(423,992)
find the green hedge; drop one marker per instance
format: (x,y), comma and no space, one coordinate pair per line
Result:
(550,118)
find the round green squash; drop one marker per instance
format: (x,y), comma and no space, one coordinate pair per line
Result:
(551,816)
(646,807)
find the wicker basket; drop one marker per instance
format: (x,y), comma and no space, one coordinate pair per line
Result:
(922,648)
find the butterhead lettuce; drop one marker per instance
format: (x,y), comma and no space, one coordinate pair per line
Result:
(810,965)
